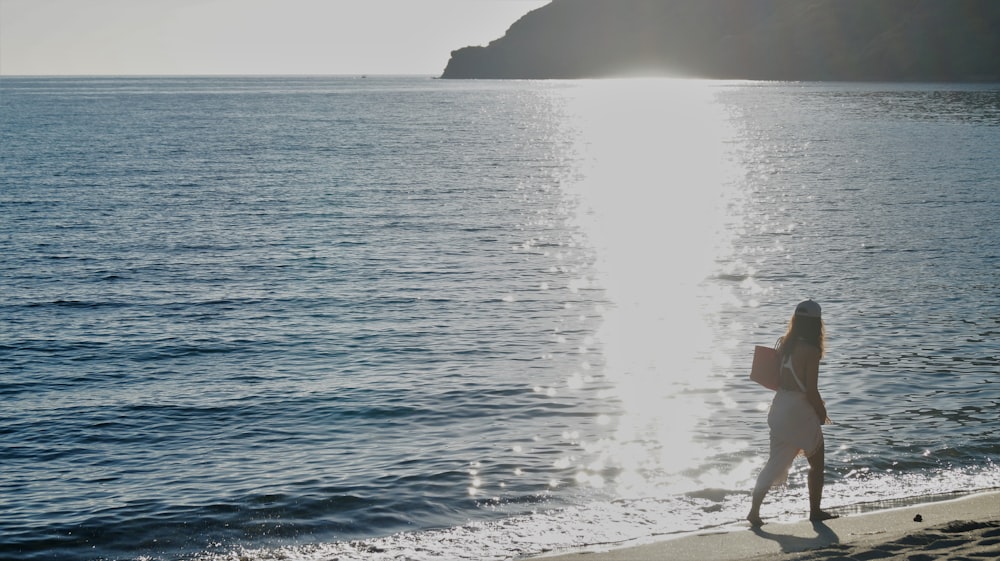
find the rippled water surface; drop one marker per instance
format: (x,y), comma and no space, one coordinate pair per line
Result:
(322,318)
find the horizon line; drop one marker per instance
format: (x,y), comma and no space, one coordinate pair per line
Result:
(221,75)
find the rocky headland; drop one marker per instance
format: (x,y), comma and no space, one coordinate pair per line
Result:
(822,40)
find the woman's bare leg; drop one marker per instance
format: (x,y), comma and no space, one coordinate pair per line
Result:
(774,470)
(754,517)
(817,467)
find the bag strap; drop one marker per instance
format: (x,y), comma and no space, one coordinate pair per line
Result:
(787,359)
(788,362)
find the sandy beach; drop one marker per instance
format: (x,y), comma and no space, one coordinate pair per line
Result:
(966,528)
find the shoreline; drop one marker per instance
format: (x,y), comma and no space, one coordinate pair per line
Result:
(967,526)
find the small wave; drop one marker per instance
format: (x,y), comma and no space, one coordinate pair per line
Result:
(81,304)
(733,277)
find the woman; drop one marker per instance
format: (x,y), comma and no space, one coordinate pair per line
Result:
(797,412)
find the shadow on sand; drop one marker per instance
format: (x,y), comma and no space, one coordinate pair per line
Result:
(825,537)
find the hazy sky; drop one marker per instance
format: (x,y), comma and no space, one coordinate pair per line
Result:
(246,36)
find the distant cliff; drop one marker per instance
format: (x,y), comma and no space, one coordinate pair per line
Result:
(874,40)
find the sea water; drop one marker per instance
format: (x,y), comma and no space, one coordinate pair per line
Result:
(404,318)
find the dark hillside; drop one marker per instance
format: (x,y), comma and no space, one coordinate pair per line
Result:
(874,40)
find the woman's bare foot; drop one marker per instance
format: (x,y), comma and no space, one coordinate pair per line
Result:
(755,520)
(820,515)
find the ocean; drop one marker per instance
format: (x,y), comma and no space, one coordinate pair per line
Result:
(317,318)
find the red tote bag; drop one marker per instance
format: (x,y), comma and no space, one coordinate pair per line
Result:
(765,368)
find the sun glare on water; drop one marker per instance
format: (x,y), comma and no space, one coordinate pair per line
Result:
(655,189)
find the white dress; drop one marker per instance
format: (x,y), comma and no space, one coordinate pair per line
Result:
(795,429)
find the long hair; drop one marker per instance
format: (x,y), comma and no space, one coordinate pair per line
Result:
(802,328)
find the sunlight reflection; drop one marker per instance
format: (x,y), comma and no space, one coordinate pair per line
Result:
(654,192)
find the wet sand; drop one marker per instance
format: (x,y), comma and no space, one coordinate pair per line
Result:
(966,528)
